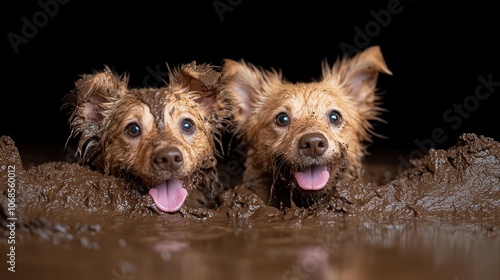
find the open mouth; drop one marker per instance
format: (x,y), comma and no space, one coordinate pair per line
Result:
(169,196)
(312,178)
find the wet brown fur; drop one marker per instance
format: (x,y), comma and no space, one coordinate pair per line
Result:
(103,106)
(348,87)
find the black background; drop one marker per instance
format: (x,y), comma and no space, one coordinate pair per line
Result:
(435,51)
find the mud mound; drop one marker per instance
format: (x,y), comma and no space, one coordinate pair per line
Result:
(460,183)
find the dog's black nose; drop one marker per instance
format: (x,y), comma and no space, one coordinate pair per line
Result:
(313,144)
(168,158)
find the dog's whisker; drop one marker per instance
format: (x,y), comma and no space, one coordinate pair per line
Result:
(353,152)
(276,171)
(260,159)
(280,163)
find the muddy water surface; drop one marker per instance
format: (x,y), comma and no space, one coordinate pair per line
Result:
(437,220)
(165,248)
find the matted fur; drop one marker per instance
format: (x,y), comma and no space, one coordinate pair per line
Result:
(104,109)
(274,154)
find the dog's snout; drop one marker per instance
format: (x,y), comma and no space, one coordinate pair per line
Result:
(313,144)
(168,158)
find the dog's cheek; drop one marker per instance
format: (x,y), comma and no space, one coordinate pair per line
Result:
(267,139)
(141,157)
(112,157)
(349,137)
(121,153)
(199,147)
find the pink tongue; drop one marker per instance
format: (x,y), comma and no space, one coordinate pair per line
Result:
(312,178)
(169,196)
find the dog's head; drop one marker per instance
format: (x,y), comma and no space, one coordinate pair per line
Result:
(306,133)
(160,136)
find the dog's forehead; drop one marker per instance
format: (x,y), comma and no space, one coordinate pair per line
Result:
(155,100)
(177,104)
(167,101)
(307,98)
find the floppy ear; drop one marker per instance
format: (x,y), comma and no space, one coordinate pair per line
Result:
(358,75)
(247,87)
(91,100)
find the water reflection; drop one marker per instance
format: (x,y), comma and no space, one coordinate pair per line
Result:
(171,248)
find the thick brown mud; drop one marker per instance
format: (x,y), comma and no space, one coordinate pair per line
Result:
(439,219)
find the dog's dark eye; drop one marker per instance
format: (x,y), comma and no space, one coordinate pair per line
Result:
(187,126)
(133,130)
(334,117)
(282,119)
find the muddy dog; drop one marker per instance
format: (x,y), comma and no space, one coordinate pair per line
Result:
(304,137)
(164,138)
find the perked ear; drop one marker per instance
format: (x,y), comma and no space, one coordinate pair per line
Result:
(93,96)
(358,74)
(200,77)
(247,86)
(203,82)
